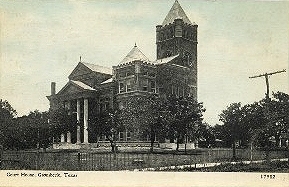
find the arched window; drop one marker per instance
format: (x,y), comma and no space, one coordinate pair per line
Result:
(187,59)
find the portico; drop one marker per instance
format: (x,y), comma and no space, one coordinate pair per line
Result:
(75,98)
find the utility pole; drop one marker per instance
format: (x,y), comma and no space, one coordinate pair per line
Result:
(267,100)
(266,75)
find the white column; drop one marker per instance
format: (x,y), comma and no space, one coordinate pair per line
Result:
(280,142)
(62,138)
(197,144)
(69,107)
(85,121)
(68,137)
(78,121)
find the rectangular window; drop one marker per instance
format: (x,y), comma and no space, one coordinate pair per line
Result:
(191,92)
(128,86)
(121,87)
(128,136)
(106,105)
(153,86)
(121,136)
(121,74)
(181,92)
(103,138)
(145,85)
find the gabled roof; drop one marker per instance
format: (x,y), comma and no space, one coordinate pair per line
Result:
(97,68)
(165,60)
(133,55)
(77,87)
(176,12)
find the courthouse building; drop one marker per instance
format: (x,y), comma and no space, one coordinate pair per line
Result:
(93,87)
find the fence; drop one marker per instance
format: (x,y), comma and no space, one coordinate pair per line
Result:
(105,161)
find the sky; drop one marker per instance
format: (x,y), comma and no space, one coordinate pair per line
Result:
(41,42)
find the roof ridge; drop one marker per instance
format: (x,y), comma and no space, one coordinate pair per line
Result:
(98,68)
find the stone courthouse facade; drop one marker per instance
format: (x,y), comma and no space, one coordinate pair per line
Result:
(93,87)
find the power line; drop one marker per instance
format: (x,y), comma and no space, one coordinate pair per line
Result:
(266,75)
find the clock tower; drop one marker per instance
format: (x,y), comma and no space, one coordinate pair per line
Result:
(177,36)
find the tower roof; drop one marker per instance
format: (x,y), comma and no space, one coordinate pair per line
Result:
(133,55)
(176,12)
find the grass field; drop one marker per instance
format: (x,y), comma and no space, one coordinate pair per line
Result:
(274,166)
(96,160)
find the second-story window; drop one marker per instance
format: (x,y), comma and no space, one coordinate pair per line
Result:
(145,85)
(128,86)
(128,136)
(153,86)
(121,87)
(121,138)
(106,103)
(173,90)
(181,92)
(121,74)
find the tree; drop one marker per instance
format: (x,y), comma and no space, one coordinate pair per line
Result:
(60,121)
(40,128)
(257,122)
(145,113)
(31,131)
(231,117)
(279,115)
(267,118)
(184,117)
(7,113)
(206,132)
(106,123)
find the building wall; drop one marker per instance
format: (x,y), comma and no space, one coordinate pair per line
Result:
(180,39)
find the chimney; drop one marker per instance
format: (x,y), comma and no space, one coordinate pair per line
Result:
(53,85)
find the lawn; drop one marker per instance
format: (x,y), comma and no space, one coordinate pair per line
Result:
(104,160)
(274,166)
